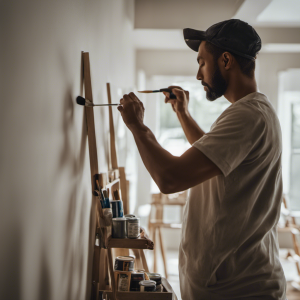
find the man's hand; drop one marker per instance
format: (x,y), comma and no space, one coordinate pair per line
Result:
(179,105)
(132,111)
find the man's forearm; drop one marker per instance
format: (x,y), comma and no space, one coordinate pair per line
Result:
(158,161)
(191,129)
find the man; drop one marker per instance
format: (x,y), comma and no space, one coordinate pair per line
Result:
(229,242)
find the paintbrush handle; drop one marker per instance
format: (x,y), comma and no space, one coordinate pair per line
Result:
(172,96)
(113,104)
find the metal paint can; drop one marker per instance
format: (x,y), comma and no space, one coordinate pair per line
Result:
(117,208)
(119,228)
(124,263)
(157,278)
(147,286)
(133,228)
(136,277)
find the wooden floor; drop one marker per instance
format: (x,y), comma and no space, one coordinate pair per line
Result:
(291,293)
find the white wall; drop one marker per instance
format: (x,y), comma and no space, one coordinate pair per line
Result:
(44,176)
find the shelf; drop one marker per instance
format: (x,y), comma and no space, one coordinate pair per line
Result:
(139,295)
(167,294)
(131,243)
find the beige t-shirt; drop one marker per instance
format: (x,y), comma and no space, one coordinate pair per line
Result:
(229,244)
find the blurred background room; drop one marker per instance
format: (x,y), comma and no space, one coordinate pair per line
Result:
(44,159)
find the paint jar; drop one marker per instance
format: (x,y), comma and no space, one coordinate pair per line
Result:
(147,286)
(133,228)
(157,278)
(119,228)
(117,208)
(124,263)
(136,277)
(123,280)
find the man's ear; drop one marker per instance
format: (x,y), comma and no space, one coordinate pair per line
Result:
(227,60)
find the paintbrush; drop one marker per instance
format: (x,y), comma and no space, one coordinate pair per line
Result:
(85,102)
(172,96)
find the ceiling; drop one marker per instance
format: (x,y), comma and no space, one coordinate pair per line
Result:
(159,23)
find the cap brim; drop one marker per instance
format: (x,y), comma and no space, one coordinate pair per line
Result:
(193,38)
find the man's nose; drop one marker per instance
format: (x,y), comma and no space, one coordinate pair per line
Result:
(199,75)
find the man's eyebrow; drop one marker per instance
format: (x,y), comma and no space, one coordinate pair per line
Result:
(198,58)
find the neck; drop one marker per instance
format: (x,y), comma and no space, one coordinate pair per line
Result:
(239,87)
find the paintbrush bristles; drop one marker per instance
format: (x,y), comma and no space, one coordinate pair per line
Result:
(85,102)
(145,91)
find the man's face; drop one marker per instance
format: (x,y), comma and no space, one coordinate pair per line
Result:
(210,75)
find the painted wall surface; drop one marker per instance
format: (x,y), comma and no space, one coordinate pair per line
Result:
(45,187)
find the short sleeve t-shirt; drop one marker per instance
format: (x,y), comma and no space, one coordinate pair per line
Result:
(229,247)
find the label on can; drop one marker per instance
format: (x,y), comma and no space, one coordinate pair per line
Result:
(122,280)
(123,283)
(133,230)
(124,263)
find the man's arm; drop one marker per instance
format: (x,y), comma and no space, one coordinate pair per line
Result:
(171,173)
(191,129)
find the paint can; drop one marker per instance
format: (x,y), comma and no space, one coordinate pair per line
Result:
(133,228)
(123,280)
(136,277)
(147,286)
(119,228)
(117,208)
(157,278)
(124,263)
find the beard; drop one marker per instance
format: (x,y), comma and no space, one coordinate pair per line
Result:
(218,85)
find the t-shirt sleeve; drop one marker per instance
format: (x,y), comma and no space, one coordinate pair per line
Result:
(232,138)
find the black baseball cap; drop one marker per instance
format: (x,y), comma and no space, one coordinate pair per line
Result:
(232,35)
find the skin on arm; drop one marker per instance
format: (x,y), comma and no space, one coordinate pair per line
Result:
(171,173)
(191,129)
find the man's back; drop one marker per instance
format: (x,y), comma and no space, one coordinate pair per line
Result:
(229,242)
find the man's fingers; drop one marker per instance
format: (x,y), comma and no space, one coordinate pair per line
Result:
(133,96)
(179,93)
(120,108)
(175,87)
(127,97)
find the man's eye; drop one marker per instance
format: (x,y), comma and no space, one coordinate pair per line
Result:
(201,65)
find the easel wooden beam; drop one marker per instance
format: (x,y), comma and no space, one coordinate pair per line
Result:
(98,255)
(114,162)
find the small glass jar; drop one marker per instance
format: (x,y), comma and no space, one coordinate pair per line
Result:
(157,278)
(147,286)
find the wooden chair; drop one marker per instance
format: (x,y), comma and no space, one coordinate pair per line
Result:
(156,221)
(291,228)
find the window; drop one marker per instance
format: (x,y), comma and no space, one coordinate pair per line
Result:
(294,188)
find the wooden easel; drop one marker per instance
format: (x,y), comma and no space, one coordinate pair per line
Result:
(105,247)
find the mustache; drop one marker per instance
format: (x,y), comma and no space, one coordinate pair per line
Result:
(204,84)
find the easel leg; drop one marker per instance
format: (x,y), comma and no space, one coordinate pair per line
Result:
(111,271)
(154,251)
(163,252)
(144,261)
